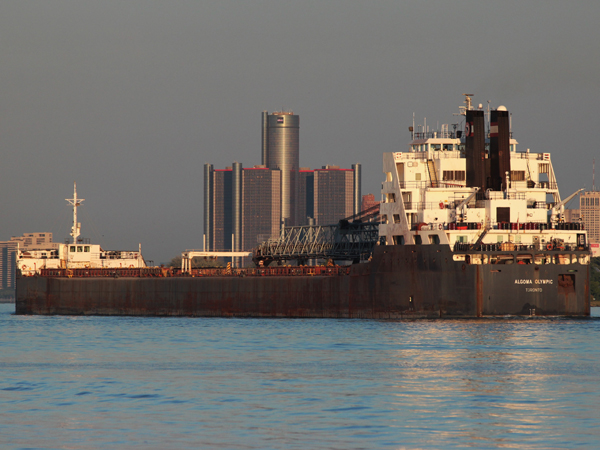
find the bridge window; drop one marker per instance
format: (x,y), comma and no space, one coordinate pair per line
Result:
(86,248)
(453,175)
(72,248)
(517,175)
(79,249)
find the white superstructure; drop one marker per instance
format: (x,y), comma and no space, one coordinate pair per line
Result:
(426,197)
(78,254)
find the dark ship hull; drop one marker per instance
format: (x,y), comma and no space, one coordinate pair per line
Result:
(404,281)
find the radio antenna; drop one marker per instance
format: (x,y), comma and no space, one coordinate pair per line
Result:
(76,228)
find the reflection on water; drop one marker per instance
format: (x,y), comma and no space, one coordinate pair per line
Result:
(87,382)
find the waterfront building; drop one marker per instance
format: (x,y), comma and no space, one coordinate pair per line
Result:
(572,215)
(589,206)
(281,150)
(220,220)
(368,201)
(328,194)
(36,241)
(242,206)
(306,196)
(8,250)
(334,194)
(261,206)
(8,253)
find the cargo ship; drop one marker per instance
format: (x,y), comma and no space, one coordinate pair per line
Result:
(468,227)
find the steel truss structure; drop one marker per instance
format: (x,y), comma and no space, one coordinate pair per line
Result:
(348,241)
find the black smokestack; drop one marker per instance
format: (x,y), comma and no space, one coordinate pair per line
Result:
(499,149)
(475,149)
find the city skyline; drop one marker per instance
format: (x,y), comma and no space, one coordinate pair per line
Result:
(244,207)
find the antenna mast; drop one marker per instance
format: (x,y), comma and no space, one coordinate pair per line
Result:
(76,228)
(463,109)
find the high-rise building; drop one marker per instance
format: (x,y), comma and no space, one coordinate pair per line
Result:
(328,194)
(368,201)
(36,241)
(589,207)
(218,235)
(357,187)
(333,194)
(261,206)
(242,206)
(572,215)
(306,196)
(8,253)
(281,150)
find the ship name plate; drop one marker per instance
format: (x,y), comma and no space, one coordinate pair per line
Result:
(529,281)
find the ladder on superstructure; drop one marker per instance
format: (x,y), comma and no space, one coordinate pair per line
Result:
(432,173)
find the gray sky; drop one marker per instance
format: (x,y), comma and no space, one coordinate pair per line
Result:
(130,99)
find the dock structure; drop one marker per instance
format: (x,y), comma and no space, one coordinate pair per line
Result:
(188,255)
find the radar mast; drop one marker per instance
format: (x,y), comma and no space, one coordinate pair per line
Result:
(76,228)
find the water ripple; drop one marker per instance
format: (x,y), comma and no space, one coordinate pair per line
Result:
(128,382)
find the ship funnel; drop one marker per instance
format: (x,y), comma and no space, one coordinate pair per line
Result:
(499,149)
(475,149)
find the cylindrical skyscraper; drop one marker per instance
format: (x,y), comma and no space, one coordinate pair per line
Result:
(282,151)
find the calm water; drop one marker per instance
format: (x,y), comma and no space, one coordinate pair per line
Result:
(92,382)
